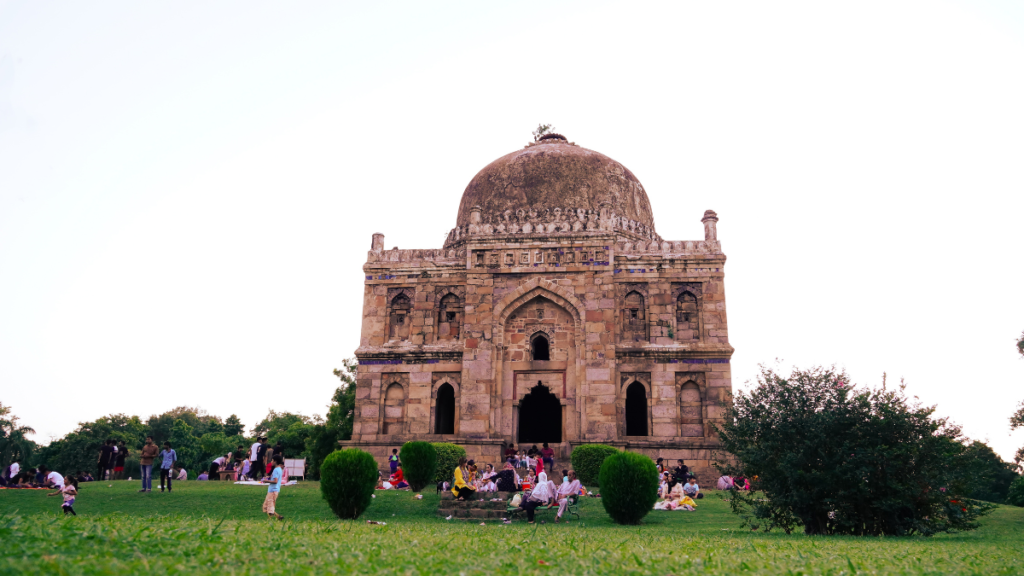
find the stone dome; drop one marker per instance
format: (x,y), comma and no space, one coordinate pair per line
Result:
(554,173)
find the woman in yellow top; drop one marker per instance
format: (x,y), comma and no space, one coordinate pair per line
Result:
(461,488)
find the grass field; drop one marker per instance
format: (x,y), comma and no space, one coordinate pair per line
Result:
(218,528)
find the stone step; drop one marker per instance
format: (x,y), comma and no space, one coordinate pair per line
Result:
(447,495)
(474,513)
(474,506)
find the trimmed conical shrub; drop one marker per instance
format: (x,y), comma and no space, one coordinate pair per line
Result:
(629,486)
(347,480)
(419,462)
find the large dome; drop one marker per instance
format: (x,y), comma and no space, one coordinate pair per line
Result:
(552,174)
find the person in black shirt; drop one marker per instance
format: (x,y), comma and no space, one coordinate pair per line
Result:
(505,480)
(105,460)
(681,473)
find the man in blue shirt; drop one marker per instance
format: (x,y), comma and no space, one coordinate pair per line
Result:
(274,489)
(167,458)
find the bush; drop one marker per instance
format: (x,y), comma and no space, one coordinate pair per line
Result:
(347,480)
(837,460)
(586,461)
(419,464)
(447,460)
(629,486)
(1016,495)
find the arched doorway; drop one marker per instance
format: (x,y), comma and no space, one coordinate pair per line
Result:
(636,410)
(540,417)
(444,410)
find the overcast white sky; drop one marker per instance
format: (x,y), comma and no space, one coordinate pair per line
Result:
(187,191)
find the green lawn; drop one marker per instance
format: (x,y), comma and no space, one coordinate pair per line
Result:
(212,526)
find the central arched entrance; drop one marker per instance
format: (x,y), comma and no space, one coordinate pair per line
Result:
(540,417)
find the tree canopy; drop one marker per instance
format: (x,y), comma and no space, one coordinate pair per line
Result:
(838,460)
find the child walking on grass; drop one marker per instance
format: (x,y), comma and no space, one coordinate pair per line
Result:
(274,489)
(69,490)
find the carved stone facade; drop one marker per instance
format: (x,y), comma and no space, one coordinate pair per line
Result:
(543,320)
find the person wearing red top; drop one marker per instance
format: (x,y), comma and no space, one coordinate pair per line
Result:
(398,479)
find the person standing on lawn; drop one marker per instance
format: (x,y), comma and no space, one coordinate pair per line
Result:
(103,461)
(393,460)
(167,458)
(119,458)
(254,455)
(149,452)
(262,459)
(270,502)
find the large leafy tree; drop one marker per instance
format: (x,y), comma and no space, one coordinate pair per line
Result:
(338,426)
(991,477)
(186,446)
(15,446)
(837,460)
(198,420)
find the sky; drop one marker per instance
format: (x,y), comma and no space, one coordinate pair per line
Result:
(188,191)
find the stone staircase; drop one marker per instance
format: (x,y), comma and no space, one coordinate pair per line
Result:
(474,509)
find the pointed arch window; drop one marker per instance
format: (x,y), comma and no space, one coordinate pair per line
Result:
(540,348)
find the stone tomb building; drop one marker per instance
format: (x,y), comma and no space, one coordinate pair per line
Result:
(553,313)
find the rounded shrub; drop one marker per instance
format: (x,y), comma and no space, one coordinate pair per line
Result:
(419,463)
(347,480)
(1016,494)
(629,486)
(586,461)
(447,460)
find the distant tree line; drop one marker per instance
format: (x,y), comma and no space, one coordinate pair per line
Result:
(197,436)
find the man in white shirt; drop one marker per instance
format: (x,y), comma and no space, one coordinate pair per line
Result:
(13,471)
(52,479)
(564,491)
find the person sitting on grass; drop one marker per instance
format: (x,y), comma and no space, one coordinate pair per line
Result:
(270,502)
(692,490)
(740,483)
(246,464)
(566,490)
(462,489)
(397,479)
(69,491)
(181,473)
(203,477)
(50,479)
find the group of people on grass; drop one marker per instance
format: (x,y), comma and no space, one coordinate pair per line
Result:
(537,490)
